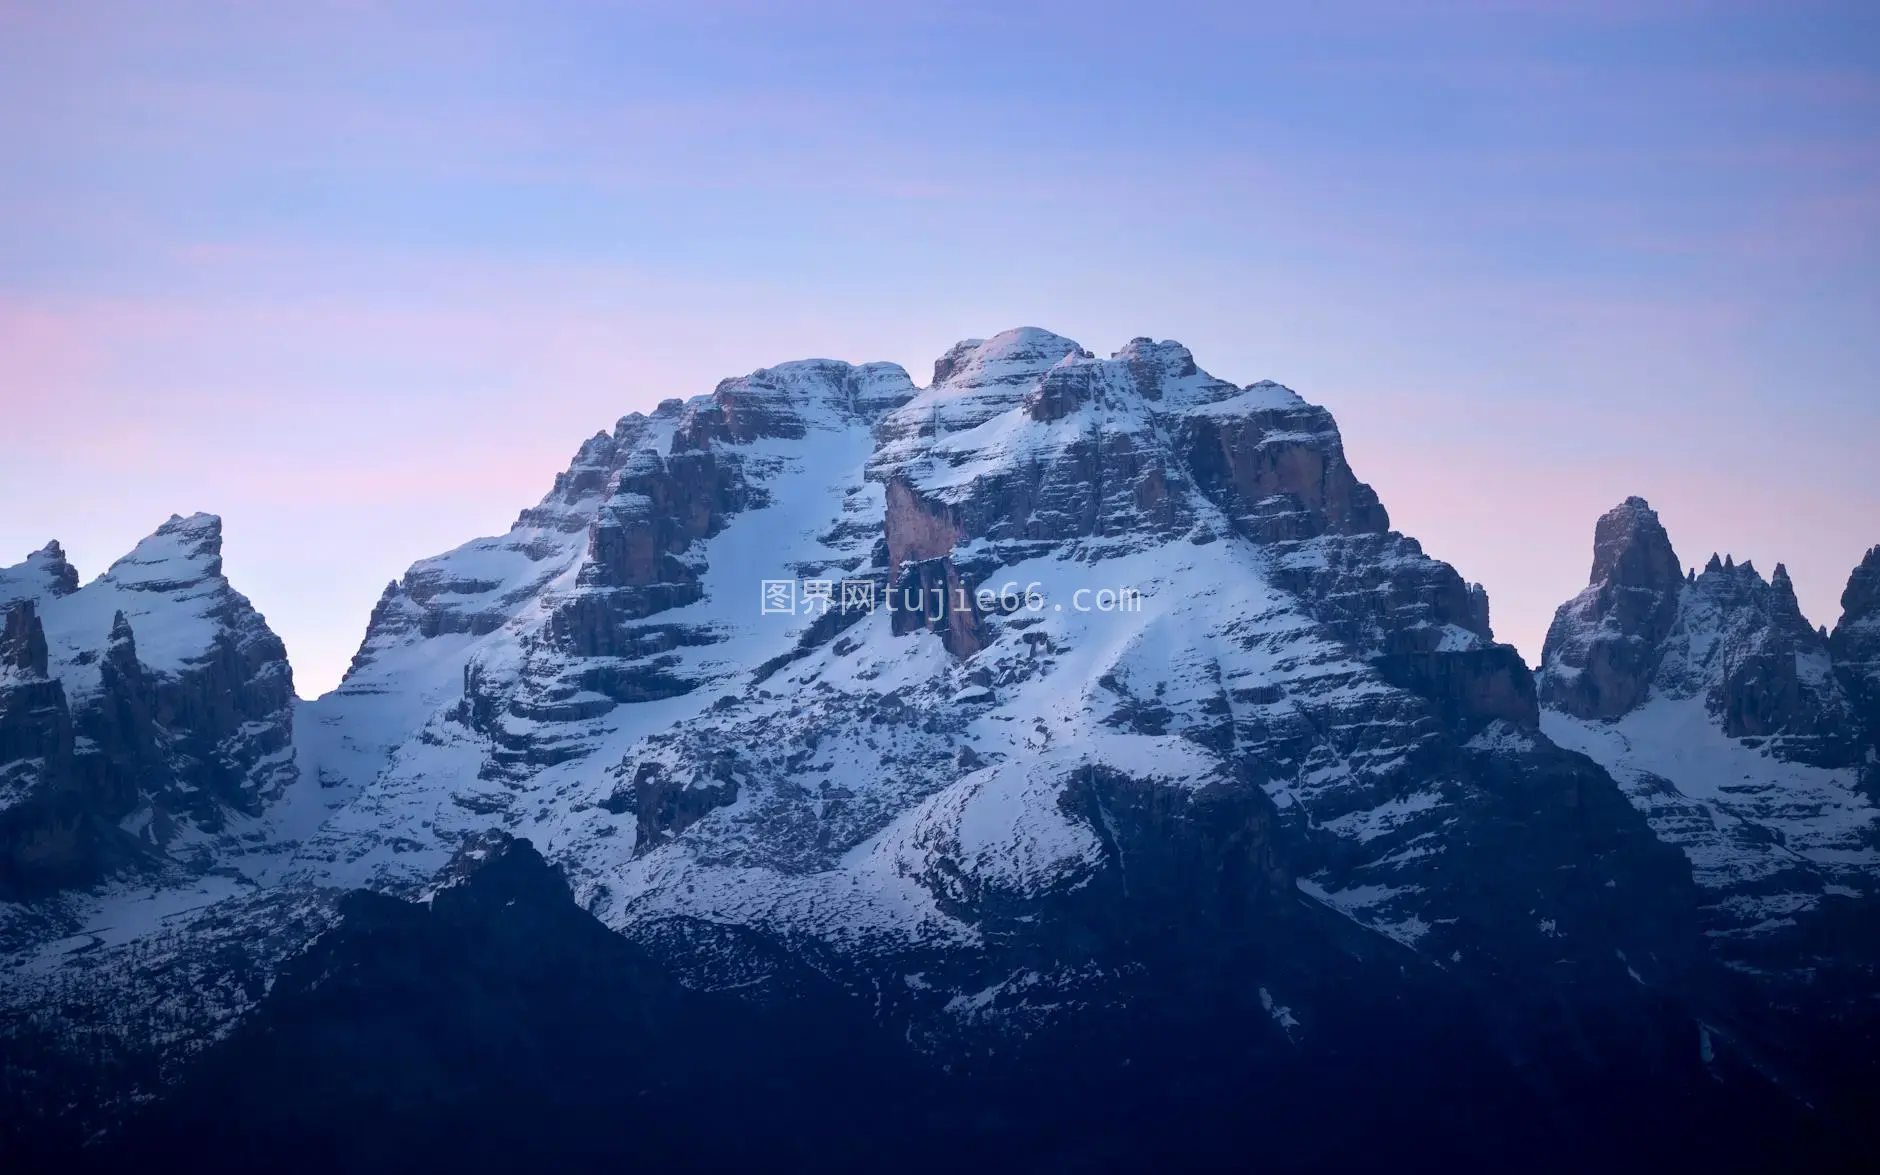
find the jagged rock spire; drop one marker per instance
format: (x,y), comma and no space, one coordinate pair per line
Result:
(45,575)
(121,647)
(1860,602)
(23,641)
(1631,548)
(1855,646)
(1603,645)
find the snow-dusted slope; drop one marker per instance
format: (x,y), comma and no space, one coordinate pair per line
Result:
(492,677)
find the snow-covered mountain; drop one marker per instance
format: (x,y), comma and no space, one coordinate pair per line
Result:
(1721,713)
(1064,712)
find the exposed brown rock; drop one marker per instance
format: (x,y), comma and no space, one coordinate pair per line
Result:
(1280,473)
(658,508)
(917,529)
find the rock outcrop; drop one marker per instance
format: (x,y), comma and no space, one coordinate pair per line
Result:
(1276,465)
(1605,644)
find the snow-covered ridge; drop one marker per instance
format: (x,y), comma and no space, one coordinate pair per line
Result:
(162,717)
(44,574)
(169,588)
(510,658)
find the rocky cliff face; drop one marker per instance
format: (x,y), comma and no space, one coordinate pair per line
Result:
(141,711)
(1065,716)
(1855,647)
(36,748)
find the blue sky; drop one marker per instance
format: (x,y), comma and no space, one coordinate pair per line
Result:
(359,277)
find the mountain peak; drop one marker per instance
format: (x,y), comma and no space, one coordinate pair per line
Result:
(169,694)
(200,526)
(1603,645)
(121,630)
(1855,646)
(1168,358)
(45,574)
(793,399)
(1010,357)
(182,552)
(1631,548)
(1860,602)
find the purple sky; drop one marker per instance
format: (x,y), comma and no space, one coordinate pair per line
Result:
(359,277)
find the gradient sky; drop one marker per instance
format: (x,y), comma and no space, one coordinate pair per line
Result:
(360,276)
